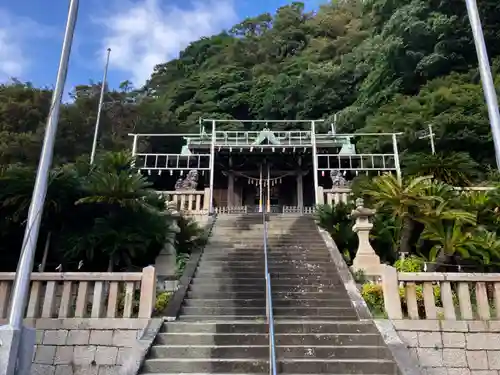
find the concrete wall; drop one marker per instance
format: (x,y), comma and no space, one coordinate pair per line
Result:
(84,346)
(449,347)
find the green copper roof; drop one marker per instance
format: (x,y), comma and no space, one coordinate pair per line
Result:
(269,135)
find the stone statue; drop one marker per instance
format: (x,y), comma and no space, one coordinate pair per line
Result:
(338,181)
(178,184)
(189,183)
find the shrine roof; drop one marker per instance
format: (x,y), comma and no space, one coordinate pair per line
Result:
(265,137)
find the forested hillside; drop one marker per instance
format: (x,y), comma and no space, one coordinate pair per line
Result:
(382,65)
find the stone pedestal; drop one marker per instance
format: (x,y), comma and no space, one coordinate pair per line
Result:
(16,350)
(366,259)
(165,263)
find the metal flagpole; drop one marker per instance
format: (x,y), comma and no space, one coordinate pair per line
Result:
(486,77)
(99,108)
(25,265)
(315,162)
(212,171)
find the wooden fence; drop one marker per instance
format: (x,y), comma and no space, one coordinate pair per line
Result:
(433,295)
(85,295)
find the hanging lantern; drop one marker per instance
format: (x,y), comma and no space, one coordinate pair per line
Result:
(283,149)
(182,172)
(357,172)
(149,172)
(203,173)
(344,173)
(171,172)
(272,149)
(230,149)
(322,173)
(251,149)
(367,173)
(159,172)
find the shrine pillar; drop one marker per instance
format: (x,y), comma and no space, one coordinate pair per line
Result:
(300,190)
(230,189)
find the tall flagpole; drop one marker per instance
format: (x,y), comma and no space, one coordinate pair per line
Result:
(99,108)
(25,265)
(486,77)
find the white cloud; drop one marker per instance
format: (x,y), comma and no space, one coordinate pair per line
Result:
(144,33)
(13,61)
(15,34)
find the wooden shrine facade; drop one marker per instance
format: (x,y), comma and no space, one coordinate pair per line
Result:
(239,170)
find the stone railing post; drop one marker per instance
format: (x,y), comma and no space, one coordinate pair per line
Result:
(206,200)
(148,292)
(390,288)
(321,196)
(366,259)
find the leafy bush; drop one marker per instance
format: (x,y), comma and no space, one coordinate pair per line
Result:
(162,300)
(409,264)
(336,220)
(374,297)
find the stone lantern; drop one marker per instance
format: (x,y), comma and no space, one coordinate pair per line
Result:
(366,259)
(166,261)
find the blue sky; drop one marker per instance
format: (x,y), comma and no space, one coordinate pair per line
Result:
(141,34)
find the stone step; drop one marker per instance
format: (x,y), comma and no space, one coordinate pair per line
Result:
(210,294)
(289,366)
(260,318)
(323,257)
(257,263)
(210,288)
(262,352)
(243,274)
(289,302)
(273,268)
(271,250)
(302,327)
(288,339)
(332,312)
(273,243)
(236,281)
(264,373)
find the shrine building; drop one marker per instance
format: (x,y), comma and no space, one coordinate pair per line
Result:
(248,171)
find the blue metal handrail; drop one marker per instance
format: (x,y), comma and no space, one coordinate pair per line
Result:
(269,304)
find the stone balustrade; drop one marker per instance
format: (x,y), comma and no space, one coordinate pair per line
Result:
(189,201)
(334,196)
(85,295)
(433,295)
(344,194)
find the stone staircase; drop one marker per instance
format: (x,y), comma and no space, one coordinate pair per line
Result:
(222,326)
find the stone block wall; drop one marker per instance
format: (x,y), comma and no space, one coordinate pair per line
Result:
(453,347)
(84,346)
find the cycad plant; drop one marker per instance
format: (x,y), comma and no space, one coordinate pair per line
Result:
(403,200)
(127,217)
